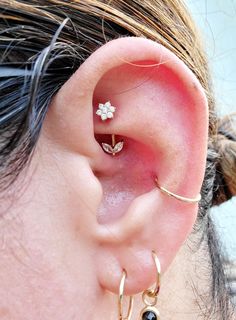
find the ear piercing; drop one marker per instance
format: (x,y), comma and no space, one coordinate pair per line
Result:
(149,296)
(105,110)
(176,196)
(121,298)
(150,312)
(114,148)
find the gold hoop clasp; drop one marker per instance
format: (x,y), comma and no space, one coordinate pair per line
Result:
(121,298)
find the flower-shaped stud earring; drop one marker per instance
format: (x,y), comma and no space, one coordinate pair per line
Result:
(105,111)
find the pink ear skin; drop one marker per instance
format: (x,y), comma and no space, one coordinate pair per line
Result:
(162,117)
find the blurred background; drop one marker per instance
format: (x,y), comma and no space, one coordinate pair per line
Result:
(216,20)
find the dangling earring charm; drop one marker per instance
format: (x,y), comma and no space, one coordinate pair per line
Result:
(150,312)
(114,148)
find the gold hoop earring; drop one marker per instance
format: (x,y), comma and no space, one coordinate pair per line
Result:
(176,196)
(150,312)
(121,298)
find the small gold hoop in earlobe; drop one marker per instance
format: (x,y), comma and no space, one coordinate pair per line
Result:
(152,293)
(121,298)
(176,196)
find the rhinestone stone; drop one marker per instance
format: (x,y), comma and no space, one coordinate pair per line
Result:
(149,315)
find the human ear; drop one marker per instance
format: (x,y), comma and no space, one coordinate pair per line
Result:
(162,118)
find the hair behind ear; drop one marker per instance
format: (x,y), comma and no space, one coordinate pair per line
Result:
(225,146)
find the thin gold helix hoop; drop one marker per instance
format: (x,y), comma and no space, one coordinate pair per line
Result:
(176,196)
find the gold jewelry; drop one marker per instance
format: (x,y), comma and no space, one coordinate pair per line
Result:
(121,298)
(114,148)
(178,197)
(150,312)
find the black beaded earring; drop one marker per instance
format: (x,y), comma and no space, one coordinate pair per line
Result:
(150,312)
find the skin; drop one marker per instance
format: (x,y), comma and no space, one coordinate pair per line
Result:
(78,216)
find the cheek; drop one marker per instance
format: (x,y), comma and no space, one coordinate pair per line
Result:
(32,288)
(39,281)
(46,264)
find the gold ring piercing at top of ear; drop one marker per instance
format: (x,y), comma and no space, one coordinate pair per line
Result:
(106,111)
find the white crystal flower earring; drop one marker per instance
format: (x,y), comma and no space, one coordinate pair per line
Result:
(105,111)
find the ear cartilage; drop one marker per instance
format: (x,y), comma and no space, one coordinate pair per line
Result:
(114,148)
(176,196)
(105,111)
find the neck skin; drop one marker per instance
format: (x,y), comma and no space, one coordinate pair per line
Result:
(186,285)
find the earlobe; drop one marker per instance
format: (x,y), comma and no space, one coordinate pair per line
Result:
(162,118)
